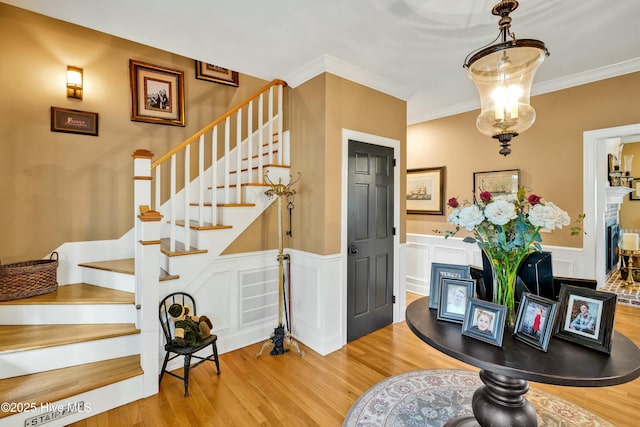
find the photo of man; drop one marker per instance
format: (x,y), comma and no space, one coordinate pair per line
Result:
(583,316)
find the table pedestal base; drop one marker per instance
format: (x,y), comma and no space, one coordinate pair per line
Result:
(499,402)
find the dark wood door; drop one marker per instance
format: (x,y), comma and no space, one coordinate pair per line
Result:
(370,239)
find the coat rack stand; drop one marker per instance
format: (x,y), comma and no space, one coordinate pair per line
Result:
(281,335)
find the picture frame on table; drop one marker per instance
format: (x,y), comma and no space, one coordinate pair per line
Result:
(586,316)
(500,182)
(157,94)
(74,121)
(425,191)
(535,321)
(484,321)
(454,294)
(440,270)
(216,74)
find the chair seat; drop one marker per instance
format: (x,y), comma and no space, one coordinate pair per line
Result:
(175,348)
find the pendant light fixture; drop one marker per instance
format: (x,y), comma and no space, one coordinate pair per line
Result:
(503,73)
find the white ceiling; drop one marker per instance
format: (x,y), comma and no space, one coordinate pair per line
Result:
(411,49)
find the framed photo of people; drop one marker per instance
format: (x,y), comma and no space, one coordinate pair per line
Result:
(585,316)
(484,321)
(157,94)
(441,270)
(453,298)
(535,321)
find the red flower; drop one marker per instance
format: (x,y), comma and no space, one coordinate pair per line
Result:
(485,196)
(533,199)
(453,202)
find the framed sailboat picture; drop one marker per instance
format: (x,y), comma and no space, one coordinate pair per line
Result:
(425,191)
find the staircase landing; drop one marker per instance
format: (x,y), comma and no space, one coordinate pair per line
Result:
(124,266)
(79,293)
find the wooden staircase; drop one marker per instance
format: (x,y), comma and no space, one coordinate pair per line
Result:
(56,363)
(87,344)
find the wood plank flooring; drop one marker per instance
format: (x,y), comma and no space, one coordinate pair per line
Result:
(315,390)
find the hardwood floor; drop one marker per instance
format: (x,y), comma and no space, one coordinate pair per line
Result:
(289,390)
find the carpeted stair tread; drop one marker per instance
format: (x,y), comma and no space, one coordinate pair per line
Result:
(30,337)
(51,386)
(78,293)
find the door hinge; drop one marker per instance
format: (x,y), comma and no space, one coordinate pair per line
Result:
(393,299)
(393,231)
(394,163)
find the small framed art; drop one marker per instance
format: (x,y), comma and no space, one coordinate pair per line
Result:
(496,182)
(635,194)
(484,321)
(440,270)
(214,73)
(74,121)
(453,298)
(535,321)
(585,316)
(425,191)
(157,94)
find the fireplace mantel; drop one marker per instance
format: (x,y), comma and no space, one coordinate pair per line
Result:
(615,195)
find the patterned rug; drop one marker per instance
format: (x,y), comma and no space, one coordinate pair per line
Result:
(626,295)
(431,397)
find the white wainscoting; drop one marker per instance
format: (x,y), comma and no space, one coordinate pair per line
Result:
(240,294)
(422,250)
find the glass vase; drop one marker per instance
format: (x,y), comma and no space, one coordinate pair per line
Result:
(504,270)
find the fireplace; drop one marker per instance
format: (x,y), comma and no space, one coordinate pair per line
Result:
(613,251)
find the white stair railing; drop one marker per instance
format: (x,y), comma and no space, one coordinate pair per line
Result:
(180,183)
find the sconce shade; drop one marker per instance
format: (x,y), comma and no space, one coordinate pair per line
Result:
(503,75)
(74,82)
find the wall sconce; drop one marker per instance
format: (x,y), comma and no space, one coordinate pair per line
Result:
(74,82)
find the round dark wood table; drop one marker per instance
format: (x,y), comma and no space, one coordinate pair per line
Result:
(505,370)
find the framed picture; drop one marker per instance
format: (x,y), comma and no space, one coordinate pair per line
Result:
(496,182)
(157,94)
(585,316)
(453,298)
(635,194)
(535,321)
(74,121)
(440,270)
(425,191)
(484,321)
(214,73)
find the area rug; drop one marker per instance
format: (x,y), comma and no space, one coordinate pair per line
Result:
(431,397)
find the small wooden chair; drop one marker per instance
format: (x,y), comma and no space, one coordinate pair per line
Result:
(171,347)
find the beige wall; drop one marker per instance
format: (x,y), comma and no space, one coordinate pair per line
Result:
(318,111)
(630,209)
(549,154)
(59,187)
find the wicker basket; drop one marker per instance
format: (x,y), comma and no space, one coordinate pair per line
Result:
(29,278)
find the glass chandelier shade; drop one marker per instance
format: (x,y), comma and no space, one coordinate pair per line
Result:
(503,75)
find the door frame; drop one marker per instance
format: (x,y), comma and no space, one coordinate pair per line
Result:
(399,286)
(594,184)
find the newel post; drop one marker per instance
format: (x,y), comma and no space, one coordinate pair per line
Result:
(147,270)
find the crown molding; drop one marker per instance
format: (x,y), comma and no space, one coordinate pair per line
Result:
(330,64)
